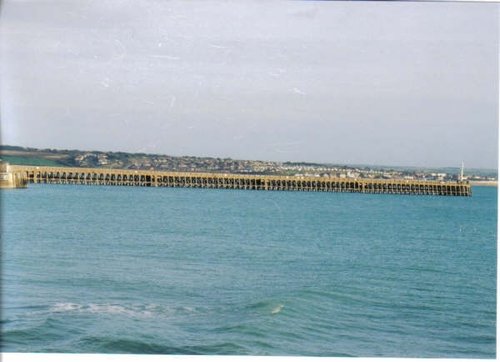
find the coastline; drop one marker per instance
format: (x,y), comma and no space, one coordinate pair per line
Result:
(484,183)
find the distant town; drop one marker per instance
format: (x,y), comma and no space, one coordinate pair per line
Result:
(141,161)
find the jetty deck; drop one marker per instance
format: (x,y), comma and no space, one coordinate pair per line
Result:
(120,177)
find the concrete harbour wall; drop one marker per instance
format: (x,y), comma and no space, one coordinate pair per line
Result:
(11,178)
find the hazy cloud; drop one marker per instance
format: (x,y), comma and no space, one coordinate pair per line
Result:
(358,82)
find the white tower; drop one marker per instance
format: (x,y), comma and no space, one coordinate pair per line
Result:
(461,177)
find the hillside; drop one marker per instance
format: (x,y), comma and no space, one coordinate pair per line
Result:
(141,161)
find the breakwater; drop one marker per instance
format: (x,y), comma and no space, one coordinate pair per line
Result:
(118,177)
(10,179)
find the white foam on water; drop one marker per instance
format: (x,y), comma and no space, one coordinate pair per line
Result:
(65,307)
(277,309)
(134,311)
(144,311)
(107,309)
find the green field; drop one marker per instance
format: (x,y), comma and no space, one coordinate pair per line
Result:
(30,161)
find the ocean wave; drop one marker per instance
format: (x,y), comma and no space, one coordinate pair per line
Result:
(277,309)
(126,345)
(246,330)
(34,336)
(267,307)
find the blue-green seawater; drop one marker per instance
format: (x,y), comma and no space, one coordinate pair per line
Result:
(191,271)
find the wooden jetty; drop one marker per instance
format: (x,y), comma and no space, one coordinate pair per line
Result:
(119,177)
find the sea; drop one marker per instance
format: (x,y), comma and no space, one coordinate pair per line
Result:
(107,269)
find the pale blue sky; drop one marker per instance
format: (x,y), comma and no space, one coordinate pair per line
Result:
(394,83)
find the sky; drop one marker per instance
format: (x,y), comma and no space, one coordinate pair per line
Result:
(390,83)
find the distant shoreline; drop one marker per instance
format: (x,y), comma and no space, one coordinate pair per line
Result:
(484,183)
